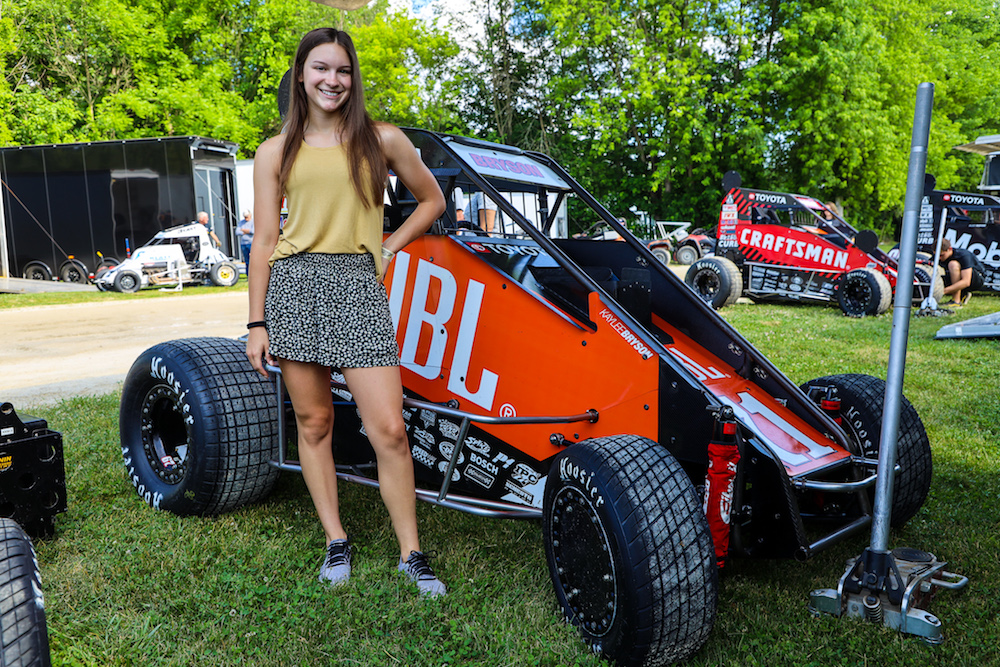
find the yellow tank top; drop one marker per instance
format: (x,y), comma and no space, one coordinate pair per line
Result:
(325,214)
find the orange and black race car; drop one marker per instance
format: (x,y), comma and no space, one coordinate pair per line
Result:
(576,381)
(788,247)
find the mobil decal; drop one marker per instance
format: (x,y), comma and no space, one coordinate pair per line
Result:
(977,242)
(780,245)
(438,331)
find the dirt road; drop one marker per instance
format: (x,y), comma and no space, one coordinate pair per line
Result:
(52,352)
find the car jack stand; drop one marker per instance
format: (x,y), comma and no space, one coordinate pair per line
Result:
(893,588)
(882,586)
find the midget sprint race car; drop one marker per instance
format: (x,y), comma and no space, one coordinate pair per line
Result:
(971,221)
(576,382)
(175,256)
(778,246)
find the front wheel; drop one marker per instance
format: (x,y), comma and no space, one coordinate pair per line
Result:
(224,274)
(716,280)
(23,630)
(862,398)
(128,282)
(662,254)
(198,427)
(629,550)
(864,292)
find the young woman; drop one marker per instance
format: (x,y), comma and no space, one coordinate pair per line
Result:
(316,294)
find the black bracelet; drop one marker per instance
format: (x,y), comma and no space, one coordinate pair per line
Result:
(258,323)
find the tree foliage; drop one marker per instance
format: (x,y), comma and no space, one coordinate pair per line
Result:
(647,102)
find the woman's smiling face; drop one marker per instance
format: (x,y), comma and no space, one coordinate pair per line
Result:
(327,77)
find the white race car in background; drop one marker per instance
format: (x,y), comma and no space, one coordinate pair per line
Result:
(174,256)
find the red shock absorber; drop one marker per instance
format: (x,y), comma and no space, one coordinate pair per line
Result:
(830,403)
(720,479)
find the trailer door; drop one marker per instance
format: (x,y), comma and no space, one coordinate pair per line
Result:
(213,189)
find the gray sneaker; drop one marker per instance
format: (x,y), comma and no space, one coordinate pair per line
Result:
(336,568)
(419,571)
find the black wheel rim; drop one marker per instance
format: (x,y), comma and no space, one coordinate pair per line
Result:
(857,296)
(707,284)
(584,563)
(165,436)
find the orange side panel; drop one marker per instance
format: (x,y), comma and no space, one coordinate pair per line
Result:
(468,332)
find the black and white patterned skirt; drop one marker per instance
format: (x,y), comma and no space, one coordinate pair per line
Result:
(331,310)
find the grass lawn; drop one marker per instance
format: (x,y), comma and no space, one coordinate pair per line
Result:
(126,585)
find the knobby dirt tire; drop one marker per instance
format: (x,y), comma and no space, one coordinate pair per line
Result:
(198,427)
(862,398)
(629,550)
(25,640)
(717,280)
(864,292)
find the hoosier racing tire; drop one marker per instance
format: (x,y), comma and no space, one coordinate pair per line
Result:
(198,427)
(862,397)
(629,550)
(224,274)
(864,292)
(717,280)
(23,630)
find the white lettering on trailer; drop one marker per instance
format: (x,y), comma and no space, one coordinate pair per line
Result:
(749,406)
(420,315)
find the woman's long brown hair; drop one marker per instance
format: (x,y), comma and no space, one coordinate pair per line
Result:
(361,139)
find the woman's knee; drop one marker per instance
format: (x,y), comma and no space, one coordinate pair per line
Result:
(314,426)
(390,436)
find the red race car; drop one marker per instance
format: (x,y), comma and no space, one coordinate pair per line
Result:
(789,247)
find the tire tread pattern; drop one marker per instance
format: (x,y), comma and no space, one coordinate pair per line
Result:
(22,612)
(671,546)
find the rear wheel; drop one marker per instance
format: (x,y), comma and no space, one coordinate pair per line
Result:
(23,629)
(198,427)
(922,273)
(629,550)
(864,292)
(716,280)
(73,271)
(36,271)
(862,398)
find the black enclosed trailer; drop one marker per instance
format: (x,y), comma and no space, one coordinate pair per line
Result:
(67,208)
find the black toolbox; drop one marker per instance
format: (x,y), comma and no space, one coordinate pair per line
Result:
(32,472)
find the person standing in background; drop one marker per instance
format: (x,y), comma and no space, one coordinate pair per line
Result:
(245,232)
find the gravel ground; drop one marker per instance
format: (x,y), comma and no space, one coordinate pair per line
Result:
(55,352)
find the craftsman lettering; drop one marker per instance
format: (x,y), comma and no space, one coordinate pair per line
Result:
(796,248)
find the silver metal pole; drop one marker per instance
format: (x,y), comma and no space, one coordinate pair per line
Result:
(901,317)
